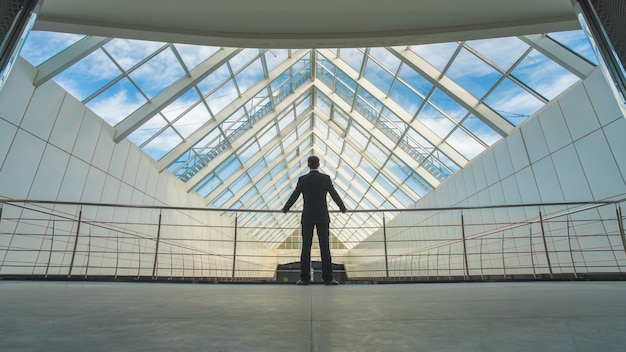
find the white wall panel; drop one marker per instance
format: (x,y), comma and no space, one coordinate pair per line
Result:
(479,174)
(571,176)
(490,168)
(118,161)
(602,99)
(66,127)
(87,137)
(50,174)
(535,141)
(151,182)
(92,192)
(7,132)
(578,112)
(145,165)
(43,110)
(74,180)
(616,138)
(599,165)
(125,194)
(527,186)
(517,150)
(503,159)
(496,194)
(469,181)
(111,189)
(131,166)
(20,166)
(20,82)
(554,127)
(547,181)
(104,149)
(511,190)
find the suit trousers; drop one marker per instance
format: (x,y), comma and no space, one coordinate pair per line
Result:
(305,256)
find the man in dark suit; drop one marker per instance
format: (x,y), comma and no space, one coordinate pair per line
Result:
(314,186)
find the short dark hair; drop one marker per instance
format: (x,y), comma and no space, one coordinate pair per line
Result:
(313,162)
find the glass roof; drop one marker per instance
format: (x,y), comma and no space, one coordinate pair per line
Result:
(236,125)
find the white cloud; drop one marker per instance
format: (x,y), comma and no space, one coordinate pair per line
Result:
(115,107)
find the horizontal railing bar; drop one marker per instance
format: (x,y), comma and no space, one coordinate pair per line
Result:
(234,210)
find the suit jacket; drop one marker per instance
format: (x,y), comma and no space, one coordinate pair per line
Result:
(314,186)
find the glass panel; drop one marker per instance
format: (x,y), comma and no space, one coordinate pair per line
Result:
(243,58)
(213,80)
(274,57)
(435,120)
(81,80)
(473,74)
(544,75)
(162,144)
(578,42)
(406,97)
(353,57)
(503,52)
(158,73)
(192,120)
(481,130)
(222,97)
(513,102)
(193,55)
(378,76)
(465,144)
(415,80)
(250,76)
(41,46)
(129,52)
(148,129)
(117,102)
(437,55)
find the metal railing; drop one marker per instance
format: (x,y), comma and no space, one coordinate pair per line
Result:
(66,240)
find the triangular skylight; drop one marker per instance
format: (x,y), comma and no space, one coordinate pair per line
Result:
(236,125)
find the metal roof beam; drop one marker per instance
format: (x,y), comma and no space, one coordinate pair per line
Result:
(451,88)
(68,57)
(560,54)
(254,129)
(234,106)
(144,113)
(422,129)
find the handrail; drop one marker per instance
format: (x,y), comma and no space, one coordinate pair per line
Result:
(574,240)
(249,210)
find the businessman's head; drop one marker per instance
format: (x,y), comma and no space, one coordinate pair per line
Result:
(313,162)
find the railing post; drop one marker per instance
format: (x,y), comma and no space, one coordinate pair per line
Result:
(385,244)
(545,244)
(620,226)
(117,252)
(569,246)
(51,248)
(464,246)
(532,255)
(80,217)
(156,250)
(502,255)
(234,248)
(138,258)
(88,251)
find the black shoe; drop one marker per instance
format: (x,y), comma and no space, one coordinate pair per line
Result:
(301,283)
(331,283)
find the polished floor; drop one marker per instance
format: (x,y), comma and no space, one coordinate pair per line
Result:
(524,316)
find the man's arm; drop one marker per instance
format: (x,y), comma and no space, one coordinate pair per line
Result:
(335,196)
(292,199)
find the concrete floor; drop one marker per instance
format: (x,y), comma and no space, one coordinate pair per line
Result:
(535,316)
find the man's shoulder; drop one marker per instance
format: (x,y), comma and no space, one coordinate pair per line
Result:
(315,174)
